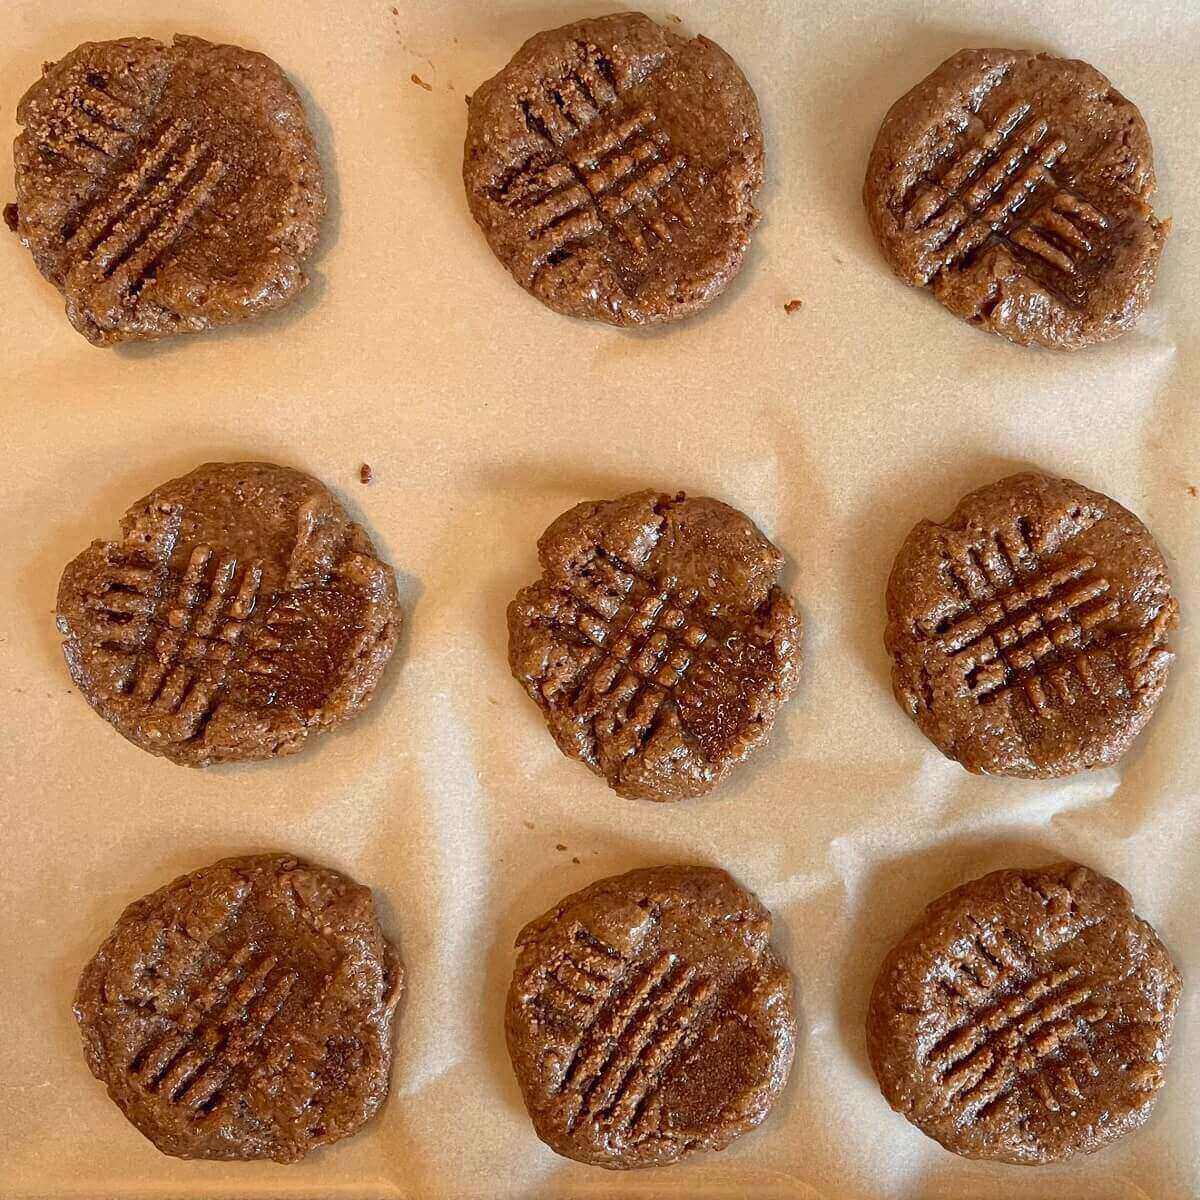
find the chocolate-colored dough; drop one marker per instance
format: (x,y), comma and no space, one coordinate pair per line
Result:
(657,642)
(244,1011)
(241,611)
(1029,632)
(166,189)
(1015,186)
(1026,1017)
(613,167)
(649,1019)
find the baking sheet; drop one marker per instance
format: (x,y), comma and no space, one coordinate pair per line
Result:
(484,416)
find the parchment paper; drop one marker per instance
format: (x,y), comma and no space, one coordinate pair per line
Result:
(485,415)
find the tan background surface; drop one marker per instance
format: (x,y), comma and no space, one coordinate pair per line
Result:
(484,416)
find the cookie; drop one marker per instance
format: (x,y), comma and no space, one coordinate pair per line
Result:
(657,642)
(1016,187)
(1026,1017)
(648,1018)
(244,1011)
(240,612)
(614,166)
(1029,631)
(166,189)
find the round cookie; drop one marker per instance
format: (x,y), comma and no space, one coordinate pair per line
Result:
(614,166)
(244,1011)
(648,1018)
(241,611)
(166,189)
(1026,1017)
(1015,187)
(657,642)
(1028,632)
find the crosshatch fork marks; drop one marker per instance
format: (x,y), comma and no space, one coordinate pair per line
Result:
(218,1030)
(628,183)
(181,668)
(1013,1041)
(600,173)
(1024,1023)
(649,647)
(1000,187)
(1054,616)
(992,1018)
(204,1091)
(1024,624)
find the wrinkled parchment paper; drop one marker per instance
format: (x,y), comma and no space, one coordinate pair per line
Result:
(484,416)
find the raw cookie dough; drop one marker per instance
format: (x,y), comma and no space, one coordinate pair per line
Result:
(244,1011)
(241,612)
(649,1019)
(613,167)
(1016,187)
(1026,1017)
(166,189)
(657,642)
(1028,632)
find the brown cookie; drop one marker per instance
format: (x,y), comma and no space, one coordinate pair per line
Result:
(1015,186)
(649,1019)
(1026,1017)
(166,189)
(1028,632)
(244,1011)
(613,167)
(241,611)
(657,642)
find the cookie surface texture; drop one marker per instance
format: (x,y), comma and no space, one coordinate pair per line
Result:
(1016,188)
(166,189)
(1029,631)
(244,1011)
(649,1019)
(657,642)
(240,612)
(1026,1017)
(613,167)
